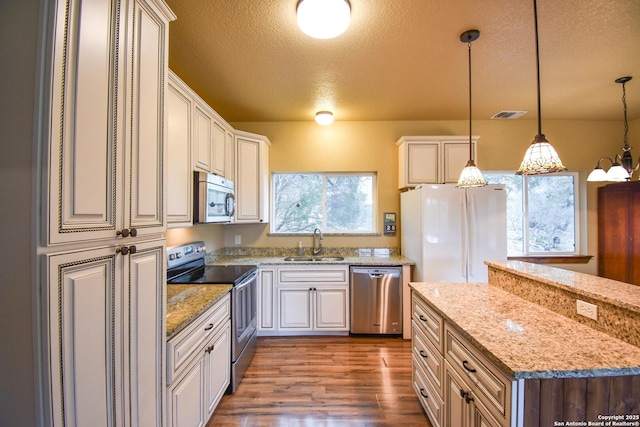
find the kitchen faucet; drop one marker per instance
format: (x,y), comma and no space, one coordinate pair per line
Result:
(317,236)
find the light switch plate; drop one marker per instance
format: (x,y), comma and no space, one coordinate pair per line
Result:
(587,310)
(238,239)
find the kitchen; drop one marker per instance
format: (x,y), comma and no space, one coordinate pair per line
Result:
(350,145)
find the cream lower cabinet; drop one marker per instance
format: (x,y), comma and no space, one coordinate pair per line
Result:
(199,366)
(455,384)
(267,301)
(313,300)
(106,334)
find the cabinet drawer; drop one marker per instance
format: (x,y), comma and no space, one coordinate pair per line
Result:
(428,356)
(429,398)
(489,383)
(186,344)
(317,275)
(430,322)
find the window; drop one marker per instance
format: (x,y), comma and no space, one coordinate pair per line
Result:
(542,213)
(333,202)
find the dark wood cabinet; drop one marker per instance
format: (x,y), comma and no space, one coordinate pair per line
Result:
(619,232)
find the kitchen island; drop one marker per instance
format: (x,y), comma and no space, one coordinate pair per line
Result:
(483,352)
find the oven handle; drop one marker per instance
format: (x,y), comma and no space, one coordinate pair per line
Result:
(250,277)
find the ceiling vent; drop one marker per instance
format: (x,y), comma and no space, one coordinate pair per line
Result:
(508,114)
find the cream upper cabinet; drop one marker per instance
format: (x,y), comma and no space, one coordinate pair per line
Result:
(252,177)
(219,148)
(106,332)
(230,156)
(106,172)
(179,107)
(202,136)
(432,159)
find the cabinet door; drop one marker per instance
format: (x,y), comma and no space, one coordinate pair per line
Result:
(85,303)
(252,186)
(187,407)
(454,159)
(180,178)
(457,412)
(219,147)
(217,367)
(146,329)
(422,163)
(86,130)
(146,149)
(230,157)
(331,309)
(267,300)
(202,138)
(295,308)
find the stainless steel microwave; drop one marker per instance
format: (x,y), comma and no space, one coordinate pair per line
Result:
(214,199)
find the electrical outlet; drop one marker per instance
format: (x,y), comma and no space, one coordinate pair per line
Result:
(587,310)
(238,239)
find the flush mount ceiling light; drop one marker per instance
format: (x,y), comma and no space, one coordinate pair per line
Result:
(622,167)
(540,157)
(323,19)
(471,175)
(324,118)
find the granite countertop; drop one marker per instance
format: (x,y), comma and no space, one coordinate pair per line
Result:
(526,340)
(279,260)
(186,302)
(614,292)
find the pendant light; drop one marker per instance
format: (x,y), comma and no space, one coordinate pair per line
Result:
(323,19)
(622,168)
(540,157)
(471,175)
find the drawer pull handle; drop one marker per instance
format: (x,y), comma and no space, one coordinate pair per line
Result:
(423,354)
(464,364)
(422,393)
(424,319)
(209,327)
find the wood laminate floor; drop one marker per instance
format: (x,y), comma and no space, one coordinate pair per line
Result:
(325,381)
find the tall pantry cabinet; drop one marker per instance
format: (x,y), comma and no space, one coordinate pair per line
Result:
(103,252)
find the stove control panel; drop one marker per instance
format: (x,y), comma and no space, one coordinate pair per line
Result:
(178,255)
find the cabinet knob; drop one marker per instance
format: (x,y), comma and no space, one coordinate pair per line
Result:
(126,232)
(123,250)
(210,349)
(468,398)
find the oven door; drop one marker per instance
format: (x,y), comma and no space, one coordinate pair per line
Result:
(244,313)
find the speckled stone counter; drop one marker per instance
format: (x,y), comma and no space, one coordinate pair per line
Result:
(186,302)
(558,289)
(279,260)
(524,339)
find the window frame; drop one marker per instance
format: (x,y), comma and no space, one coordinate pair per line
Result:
(374,204)
(577,227)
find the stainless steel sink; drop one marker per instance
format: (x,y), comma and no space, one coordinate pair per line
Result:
(314,259)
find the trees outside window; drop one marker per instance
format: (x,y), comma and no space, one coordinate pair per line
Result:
(333,202)
(542,212)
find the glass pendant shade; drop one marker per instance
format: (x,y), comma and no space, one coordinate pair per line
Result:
(617,173)
(323,19)
(471,177)
(597,175)
(540,158)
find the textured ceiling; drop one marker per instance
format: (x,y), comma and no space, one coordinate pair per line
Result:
(403,59)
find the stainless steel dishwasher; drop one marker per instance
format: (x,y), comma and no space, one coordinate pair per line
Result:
(376,300)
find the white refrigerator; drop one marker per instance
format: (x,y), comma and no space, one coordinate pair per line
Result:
(449,232)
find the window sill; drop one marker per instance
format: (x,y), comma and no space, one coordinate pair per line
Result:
(306,234)
(558,259)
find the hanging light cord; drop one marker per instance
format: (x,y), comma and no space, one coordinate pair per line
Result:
(470,134)
(535,17)
(626,125)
